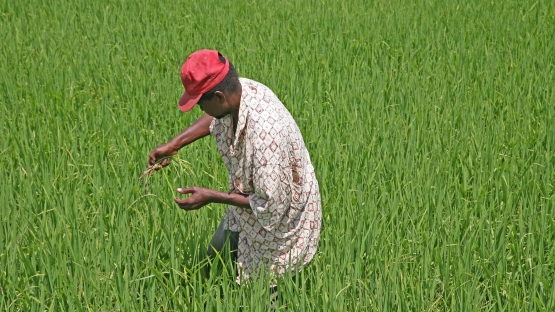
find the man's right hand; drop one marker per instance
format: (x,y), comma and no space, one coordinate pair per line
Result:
(161,156)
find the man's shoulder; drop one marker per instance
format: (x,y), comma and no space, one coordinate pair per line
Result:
(266,113)
(252,89)
(260,101)
(256,94)
(250,82)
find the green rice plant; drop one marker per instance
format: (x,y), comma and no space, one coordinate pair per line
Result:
(429,124)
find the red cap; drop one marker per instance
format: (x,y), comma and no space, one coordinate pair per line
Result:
(201,72)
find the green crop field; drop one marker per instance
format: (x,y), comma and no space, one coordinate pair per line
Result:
(431,125)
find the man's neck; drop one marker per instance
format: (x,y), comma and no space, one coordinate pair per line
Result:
(236,104)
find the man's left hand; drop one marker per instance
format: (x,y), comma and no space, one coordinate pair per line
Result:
(199,198)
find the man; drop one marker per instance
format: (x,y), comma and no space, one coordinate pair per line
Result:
(274,214)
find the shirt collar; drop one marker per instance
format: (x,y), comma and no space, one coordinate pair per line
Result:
(243,114)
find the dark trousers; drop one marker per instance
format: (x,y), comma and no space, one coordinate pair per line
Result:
(222,242)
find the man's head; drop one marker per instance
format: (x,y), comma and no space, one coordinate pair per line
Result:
(209,80)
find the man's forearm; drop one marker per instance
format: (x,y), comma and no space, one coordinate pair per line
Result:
(197,130)
(234,199)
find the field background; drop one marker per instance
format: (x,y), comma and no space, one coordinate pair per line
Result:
(431,125)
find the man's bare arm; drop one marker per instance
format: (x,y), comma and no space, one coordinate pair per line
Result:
(199,197)
(195,131)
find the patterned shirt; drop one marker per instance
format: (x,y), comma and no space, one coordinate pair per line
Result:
(267,160)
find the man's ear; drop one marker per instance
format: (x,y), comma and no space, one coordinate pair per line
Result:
(220,96)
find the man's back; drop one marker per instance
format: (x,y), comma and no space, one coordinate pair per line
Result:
(267,159)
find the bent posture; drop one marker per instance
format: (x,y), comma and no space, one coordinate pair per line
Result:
(274,213)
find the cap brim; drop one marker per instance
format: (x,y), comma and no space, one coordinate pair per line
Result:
(187,101)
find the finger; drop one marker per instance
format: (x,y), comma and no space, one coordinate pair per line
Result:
(151,159)
(180,201)
(188,190)
(166,162)
(184,204)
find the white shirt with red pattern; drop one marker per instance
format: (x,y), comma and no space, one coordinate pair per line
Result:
(267,159)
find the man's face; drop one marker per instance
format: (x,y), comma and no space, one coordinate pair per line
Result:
(216,107)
